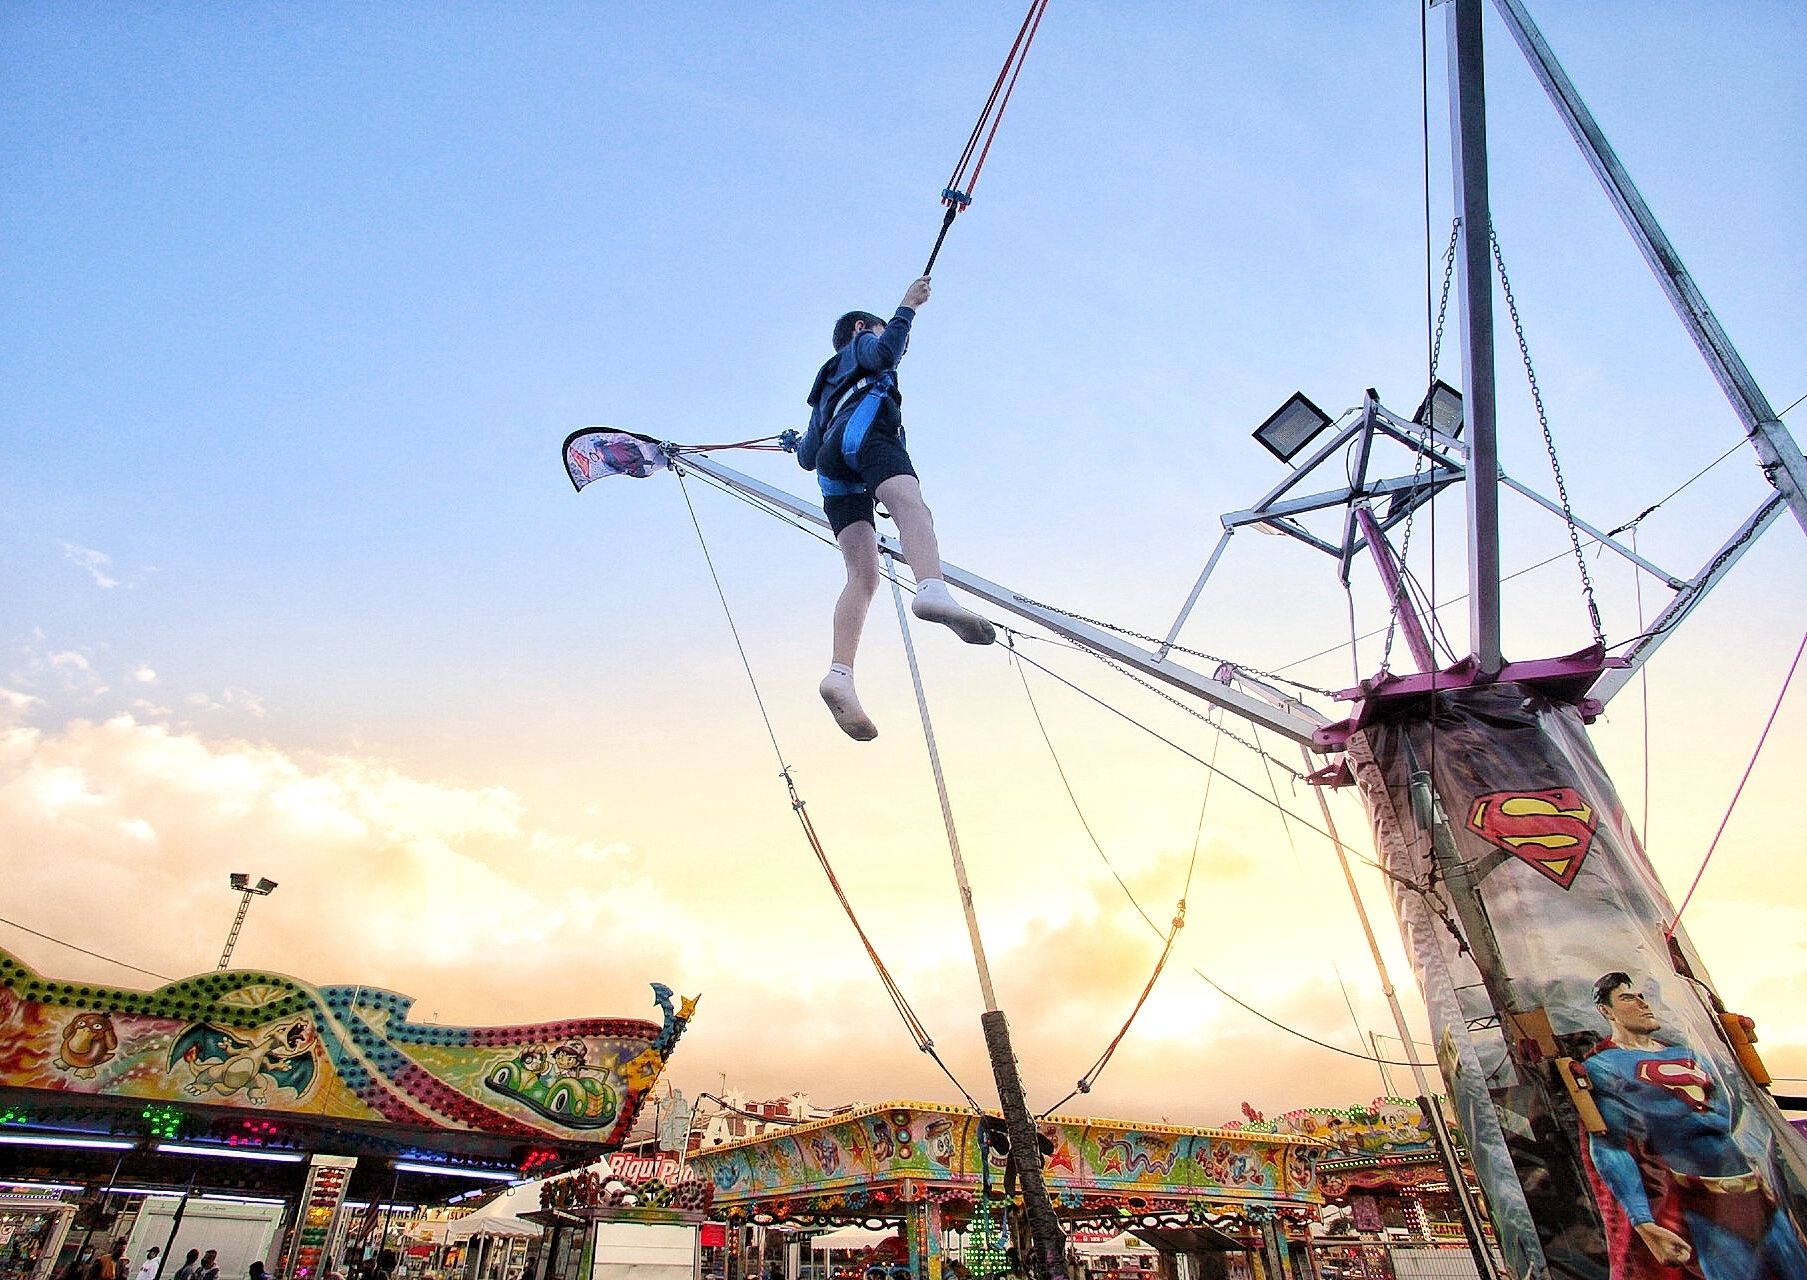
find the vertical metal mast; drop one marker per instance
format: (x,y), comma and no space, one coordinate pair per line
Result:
(1474,282)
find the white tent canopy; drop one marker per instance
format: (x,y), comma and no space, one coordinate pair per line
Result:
(850,1238)
(498,1217)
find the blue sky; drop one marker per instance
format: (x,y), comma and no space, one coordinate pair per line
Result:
(298,302)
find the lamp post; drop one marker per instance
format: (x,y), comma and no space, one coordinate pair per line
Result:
(242,883)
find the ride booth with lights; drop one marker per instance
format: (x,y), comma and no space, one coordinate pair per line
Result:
(1215,1203)
(318,1115)
(639,1217)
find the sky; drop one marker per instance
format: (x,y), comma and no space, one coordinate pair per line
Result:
(298,302)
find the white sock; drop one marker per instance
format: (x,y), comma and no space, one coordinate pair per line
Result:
(840,669)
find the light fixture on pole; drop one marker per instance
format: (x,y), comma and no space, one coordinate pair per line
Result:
(242,883)
(1291,427)
(1441,410)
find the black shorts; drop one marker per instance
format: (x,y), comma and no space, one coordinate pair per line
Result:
(881,457)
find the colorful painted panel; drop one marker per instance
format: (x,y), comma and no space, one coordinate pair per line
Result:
(1385,1127)
(898,1151)
(259,1040)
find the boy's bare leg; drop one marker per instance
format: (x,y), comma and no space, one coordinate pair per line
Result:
(859,553)
(902,496)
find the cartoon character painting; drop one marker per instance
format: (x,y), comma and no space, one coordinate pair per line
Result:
(1678,1195)
(89,1042)
(940,1135)
(826,1154)
(279,1055)
(1401,1124)
(558,1085)
(881,1140)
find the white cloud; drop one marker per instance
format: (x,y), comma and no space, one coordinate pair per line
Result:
(244,700)
(61,672)
(441,891)
(98,564)
(233,699)
(143,674)
(14,704)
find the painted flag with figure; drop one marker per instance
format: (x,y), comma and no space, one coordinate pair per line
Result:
(594,452)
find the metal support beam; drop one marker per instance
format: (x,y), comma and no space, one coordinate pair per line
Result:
(1777,452)
(1598,535)
(1474,284)
(1690,596)
(1437,477)
(1415,637)
(1173,632)
(1358,482)
(1294,727)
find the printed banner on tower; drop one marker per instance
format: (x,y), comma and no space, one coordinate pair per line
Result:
(1608,1115)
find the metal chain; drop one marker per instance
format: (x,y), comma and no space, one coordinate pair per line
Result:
(1449,269)
(1405,541)
(1178,648)
(1549,443)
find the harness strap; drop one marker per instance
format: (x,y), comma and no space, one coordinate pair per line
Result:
(833,407)
(837,488)
(853,435)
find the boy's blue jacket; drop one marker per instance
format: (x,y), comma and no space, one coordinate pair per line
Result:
(848,370)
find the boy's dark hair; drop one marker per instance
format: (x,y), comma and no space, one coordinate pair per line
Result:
(843,328)
(1607,984)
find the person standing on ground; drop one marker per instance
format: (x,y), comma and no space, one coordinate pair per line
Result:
(210,1266)
(856,445)
(112,1265)
(152,1264)
(191,1266)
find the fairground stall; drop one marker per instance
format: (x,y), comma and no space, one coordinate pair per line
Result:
(1215,1202)
(1390,1208)
(266,1118)
(642,1217)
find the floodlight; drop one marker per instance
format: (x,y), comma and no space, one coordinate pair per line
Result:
(264,885)
(1441,410)
(241,880)
(1291,427)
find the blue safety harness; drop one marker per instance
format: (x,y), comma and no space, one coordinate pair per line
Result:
(854,432)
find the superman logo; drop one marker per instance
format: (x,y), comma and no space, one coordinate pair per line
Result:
(1552,830)
(1681,1077)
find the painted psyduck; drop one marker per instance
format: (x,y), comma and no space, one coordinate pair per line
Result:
(89,1041)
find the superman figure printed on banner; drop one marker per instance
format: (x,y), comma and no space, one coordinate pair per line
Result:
(1678,1196)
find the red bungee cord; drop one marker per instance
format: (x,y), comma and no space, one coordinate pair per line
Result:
(958,193)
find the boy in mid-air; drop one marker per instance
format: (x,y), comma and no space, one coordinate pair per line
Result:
(856,419)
